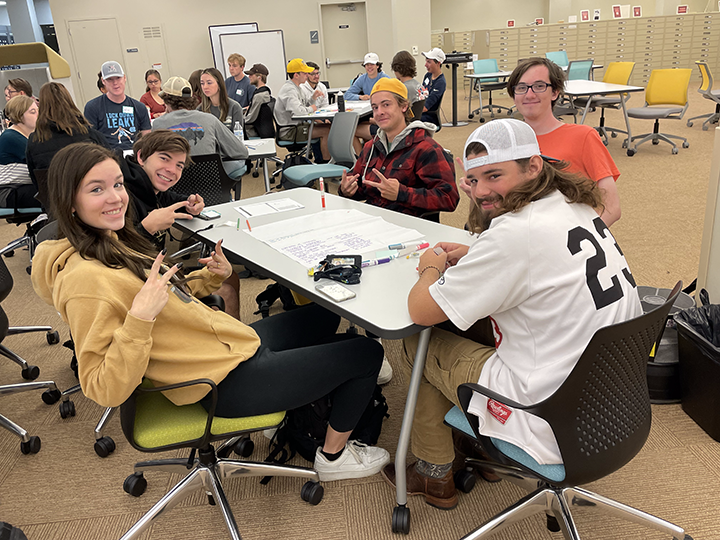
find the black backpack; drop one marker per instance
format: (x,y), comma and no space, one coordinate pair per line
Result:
(303,430)
(292,159)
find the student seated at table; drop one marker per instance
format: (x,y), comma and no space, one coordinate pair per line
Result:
(363,85)
(16,188)
(205,133)
(402,168)
(535,85)
(433,86)
(538,234)
(134,317)
(292,101)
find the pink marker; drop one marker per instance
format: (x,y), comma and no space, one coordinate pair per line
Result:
(322,191)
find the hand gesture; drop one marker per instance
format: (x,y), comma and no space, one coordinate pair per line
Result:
(388,187)
(454,252)
(217,263)
(348,184)
(463,184)
(153,296)
(364,97)
(196,204)
(163,218)
(317,94)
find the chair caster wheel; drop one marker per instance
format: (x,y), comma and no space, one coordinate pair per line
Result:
(312,492)
(28,269)
(31,373)
(74,366)
(135,484)
(470,116)
(552,524)
(689,124)
(705,127)
(655,142)
(51,396)
(674,151)
(686,144)
(613,135)
(482,120)
(255,174)
(605,142)
(32,446)
(464,480)
(244,447)
(9,253)
(104,447)
(401,520)
(53,338)
(67,408)
(631,152)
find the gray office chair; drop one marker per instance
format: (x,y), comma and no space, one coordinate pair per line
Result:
(341,150)
(601,419)
(708,93)
(665,97)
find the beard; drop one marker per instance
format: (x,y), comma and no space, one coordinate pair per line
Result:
(480,219)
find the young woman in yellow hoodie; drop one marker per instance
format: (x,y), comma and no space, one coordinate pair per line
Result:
(131,316)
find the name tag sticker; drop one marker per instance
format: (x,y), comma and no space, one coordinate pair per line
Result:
(128,110)
(500,412)
(239,91)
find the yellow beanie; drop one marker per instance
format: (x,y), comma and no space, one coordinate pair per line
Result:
(387,84)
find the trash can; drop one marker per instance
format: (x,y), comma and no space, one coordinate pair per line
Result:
(663,370)
(699,351)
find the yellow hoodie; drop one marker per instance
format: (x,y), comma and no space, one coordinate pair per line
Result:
(115,350)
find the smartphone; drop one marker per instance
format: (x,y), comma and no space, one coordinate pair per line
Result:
(208,214)
(335,291)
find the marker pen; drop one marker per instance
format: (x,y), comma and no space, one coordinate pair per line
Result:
(322,191)
(405,246)
(375,262)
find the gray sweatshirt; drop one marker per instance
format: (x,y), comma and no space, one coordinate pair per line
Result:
(205,133)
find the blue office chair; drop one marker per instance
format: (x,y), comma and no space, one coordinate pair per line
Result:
(579,70)
(601,419)
(559,57)
(341,150)
(488,65)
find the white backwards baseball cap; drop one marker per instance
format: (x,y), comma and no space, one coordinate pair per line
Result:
(371,58)
(505,140)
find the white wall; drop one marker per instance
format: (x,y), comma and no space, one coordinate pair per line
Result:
(185,23)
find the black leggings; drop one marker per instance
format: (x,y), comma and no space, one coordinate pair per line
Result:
(301,359)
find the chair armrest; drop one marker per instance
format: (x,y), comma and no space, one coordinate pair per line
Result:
(465,391)
(214,300)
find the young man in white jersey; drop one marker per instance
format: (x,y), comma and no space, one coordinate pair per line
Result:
(547,272)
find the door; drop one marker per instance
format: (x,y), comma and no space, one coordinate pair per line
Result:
(344,42)
(93,42)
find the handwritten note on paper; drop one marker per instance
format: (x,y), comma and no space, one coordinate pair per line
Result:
(309,239)
(270,207)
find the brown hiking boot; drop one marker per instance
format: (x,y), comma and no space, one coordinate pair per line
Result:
(465,447)
(438,492)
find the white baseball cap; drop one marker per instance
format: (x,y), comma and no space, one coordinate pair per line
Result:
(435,54)
(371,58)
(505,140)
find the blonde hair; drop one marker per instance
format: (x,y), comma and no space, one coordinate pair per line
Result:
(17,107)
(239,59)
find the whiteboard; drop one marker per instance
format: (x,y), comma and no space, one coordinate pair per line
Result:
(267,48)
(218,30)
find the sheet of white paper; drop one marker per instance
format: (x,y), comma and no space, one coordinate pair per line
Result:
(260,209)
(309,239)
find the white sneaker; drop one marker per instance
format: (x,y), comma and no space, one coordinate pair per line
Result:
(356,461)
(386,372)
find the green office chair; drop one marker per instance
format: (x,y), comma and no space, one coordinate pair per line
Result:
(559,57)
(601,418)
(488,65)
(152,423)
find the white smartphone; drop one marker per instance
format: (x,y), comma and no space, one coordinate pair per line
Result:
(335,291)
(209,214)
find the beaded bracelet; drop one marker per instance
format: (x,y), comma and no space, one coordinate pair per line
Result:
(430,266)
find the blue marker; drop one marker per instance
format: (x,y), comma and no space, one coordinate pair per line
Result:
(375,262)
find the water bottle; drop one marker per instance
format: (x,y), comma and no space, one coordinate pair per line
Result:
(341,103)
(239,131)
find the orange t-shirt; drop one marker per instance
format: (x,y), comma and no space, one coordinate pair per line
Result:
(581,147)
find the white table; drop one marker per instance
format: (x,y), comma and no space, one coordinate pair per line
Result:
(381,302)
(588,89)
(262,149)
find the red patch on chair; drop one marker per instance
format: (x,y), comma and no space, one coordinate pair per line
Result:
(500,412)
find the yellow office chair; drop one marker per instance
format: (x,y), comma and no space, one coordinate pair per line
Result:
(708,93)
(665,97)
(616,73)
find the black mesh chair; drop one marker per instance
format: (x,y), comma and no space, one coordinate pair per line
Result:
(601,419)
(207,177)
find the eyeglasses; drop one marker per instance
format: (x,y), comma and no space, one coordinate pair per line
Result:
(11,92)
(152,81)
(537,87)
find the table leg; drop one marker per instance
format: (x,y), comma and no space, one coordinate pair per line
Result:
(309,142)
(266,175)
(408,415)
(627,119)
(587,108)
